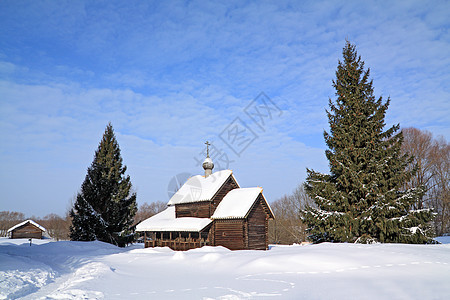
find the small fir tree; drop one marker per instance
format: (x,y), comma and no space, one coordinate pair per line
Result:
(105,207)
(361,199)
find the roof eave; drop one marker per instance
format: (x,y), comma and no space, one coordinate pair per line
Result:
(24,223)
(229,218)
(203,200)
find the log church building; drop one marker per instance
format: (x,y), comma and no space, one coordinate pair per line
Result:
(211,210)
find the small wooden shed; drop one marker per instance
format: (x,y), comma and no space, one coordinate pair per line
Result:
(25,230)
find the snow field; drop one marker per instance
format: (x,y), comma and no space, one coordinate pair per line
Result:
(94,270)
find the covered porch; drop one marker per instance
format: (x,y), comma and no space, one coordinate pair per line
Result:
(176,240)
(164,230)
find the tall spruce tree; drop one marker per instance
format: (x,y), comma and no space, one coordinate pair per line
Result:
(105,207)
(362,198)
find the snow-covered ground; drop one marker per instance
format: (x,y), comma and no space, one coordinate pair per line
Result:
(94,270)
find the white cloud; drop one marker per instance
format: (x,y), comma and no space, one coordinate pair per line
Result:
(60,127)
(171,75)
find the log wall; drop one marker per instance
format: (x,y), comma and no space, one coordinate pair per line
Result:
(229,234)
(195,209)
(257,234)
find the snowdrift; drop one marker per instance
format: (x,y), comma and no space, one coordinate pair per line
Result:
(95,270)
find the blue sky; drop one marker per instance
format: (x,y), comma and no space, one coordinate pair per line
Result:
(170,75)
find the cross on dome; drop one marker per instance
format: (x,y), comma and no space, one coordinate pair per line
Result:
(207,148)
(208,164)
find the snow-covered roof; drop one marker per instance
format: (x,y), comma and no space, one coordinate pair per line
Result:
(25,222)
(166,221)
(237,203)
(198,188)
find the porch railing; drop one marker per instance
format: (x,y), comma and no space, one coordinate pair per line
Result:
(177,244)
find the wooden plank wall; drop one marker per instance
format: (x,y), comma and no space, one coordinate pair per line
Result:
(257,227)
(27,231)
(229,233)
